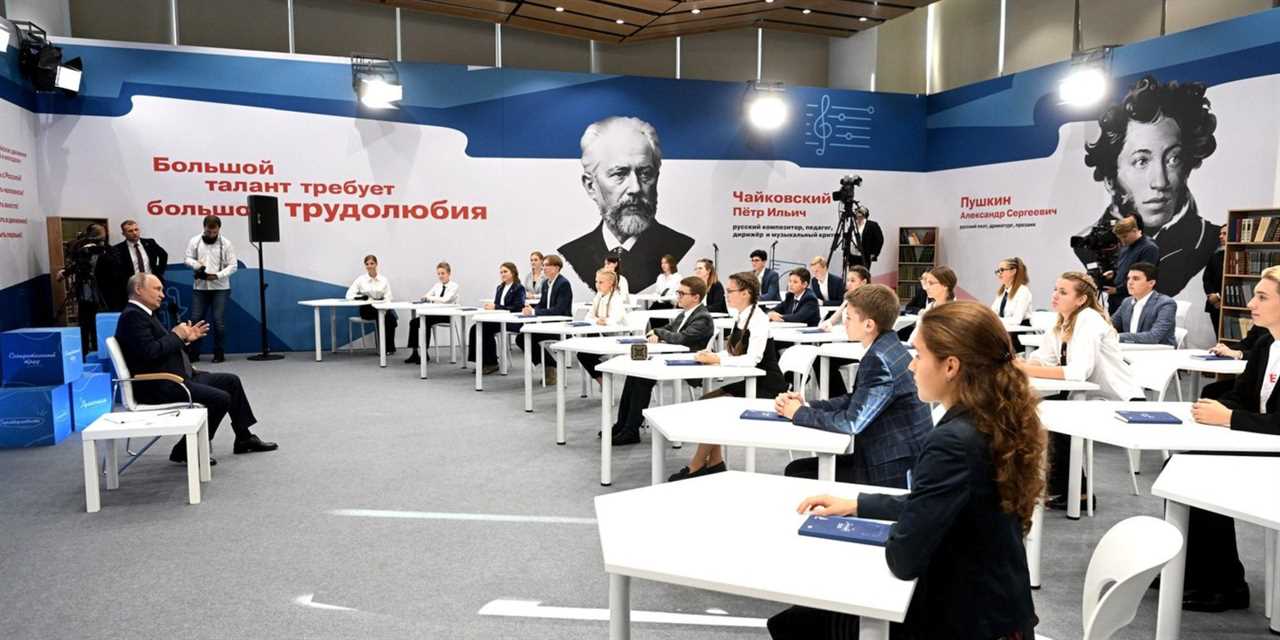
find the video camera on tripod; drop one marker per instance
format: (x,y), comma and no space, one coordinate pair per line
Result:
(82,255)
(846,230)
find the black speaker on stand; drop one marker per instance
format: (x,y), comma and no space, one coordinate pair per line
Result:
(264,226)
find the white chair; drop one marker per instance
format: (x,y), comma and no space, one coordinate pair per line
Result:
(1043,321)
(364,325)
(124,381)
(1124,563)
(1180,316)
(1180,337)
(798,361)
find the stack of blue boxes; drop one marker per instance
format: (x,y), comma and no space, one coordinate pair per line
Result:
(46,386)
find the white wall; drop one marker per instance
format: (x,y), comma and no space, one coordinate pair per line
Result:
(851,62)
(53,16)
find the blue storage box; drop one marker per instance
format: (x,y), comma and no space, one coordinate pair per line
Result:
(106,326)
(41,357)
(34,416)
(90,398)
(92,367)
(100,361)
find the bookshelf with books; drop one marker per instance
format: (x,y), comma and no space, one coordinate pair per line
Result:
(917,253)
(1253,244)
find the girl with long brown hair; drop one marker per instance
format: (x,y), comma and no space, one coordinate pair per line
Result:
(959,531)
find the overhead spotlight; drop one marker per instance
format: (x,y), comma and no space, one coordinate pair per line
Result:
(862,19)
(375,81)
(559,9)
(807,11)
(766,107)
(1088,81)
(695,11)
(620,21)
(41,61)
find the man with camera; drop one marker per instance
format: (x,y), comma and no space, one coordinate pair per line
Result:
(86,264)
(1135,248)
(135,254)
(212,259)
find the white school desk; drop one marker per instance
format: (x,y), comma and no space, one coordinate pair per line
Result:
(1011,326)
(1096,420)
(845,350)
(193,423)
(719,421)
(1186,360)
(905,321)
(726,324)
(651,298)
(808,335)
(411,306)
(564,330)
(1050,386)
(1236,486)
(657,370)
(601,346)
(333,304)
(503,318)
(458,317)
(736,533)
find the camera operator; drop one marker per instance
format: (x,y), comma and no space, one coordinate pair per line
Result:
(85,263)
(868,239)
(212,258)
(1135,248)
(860,239)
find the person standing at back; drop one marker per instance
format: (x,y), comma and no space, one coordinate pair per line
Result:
(212,259)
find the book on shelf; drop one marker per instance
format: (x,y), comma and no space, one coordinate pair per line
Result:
(1235,327)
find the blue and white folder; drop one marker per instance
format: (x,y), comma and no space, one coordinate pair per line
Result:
(1147,417)
(813,330)
(1211,356)
(632,340)
(846,529)
(581,323)
(767,415)
(683,363)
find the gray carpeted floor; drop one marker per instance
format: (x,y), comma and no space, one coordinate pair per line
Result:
(355,437)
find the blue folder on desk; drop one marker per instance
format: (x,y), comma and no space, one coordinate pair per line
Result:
(767,415)
(846,529)
(469,308)
(632,340)
(683,363)
(581,323)
(1147,417)
(813,330)
(1211,356)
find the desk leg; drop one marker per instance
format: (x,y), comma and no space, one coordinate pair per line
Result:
(113,464)
(1272,581)
(658,474)
(422,341)
(1034,539)
(504,350)
(824,378)
(606,430)
(382,338)
(826,466)
(462,338)
(453,341)
(872,629)
(751,387)
(91,502)
(1074,468)
(315,315)
(193,470)
(559,399)
(677,396)
(620,607)
(479,354)
(1169,613)
(750,463)
(206,469)
(333,329)
(528,373)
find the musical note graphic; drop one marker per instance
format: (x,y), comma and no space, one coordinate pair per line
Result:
(820,133)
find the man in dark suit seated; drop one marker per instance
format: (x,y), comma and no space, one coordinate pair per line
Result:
(1146,316)
(883,413)
(692,329)
(150,348)
(555,299)
(768,277)
(826,285)
(135,254)
(801,304)
(621,160)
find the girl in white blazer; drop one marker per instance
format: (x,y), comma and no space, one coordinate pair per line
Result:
(1013,298)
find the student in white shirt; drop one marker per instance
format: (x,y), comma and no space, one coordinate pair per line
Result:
(748,345)
(374,287)
(939,284)
(668,281)
(1013,297)
(533,281)
(607,310)
(1082,346)
(611,263)
(446,292)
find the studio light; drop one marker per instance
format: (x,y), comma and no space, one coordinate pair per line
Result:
(375,81)
(68,76)
(766,106)
(41,61)
(1089,80)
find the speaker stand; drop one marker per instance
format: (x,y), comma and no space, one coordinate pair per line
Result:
(265,354)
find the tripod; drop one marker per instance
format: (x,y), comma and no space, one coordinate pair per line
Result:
(845,236)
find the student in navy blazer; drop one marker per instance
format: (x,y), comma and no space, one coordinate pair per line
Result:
(768,278)
(1157,313)
(509,296)
(826,285)
(801,304)
(556,300)
(883,413)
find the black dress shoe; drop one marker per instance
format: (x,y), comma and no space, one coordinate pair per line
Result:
(253,444)
(628,436)
(617,431)
(413,358)
(708,470)
(1060,504)
(180,457)
(1216,601)
(680,475)
(218,357)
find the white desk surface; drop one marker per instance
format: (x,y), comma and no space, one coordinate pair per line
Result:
(515,318)
(800,336)
(736,533)
(1049,386)
(718,421)
(668,314)
(846,350)
(727,323)
(1015,327)
(137,424)
(653,297)
(567,329)
(1238,486)
(656,369)
(1185,359)
(609,346)
(1133,347)
(905,321)
(333,302)
(1096,420)
(413,305)
(1030,339)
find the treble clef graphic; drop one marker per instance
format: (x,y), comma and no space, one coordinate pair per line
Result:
(821,128)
